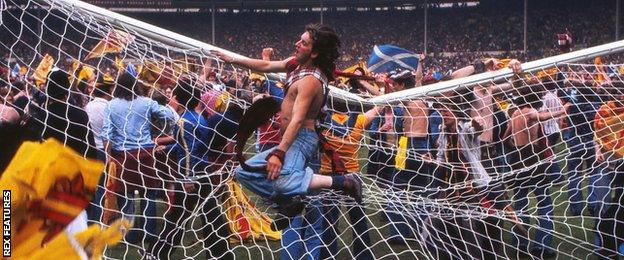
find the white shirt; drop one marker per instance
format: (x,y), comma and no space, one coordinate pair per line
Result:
(470,148)
(95,111)
(483,107)
(551,103)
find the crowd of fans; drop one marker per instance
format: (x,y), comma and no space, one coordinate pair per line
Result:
(455,30)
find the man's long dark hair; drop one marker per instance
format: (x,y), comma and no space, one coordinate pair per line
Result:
(326,44)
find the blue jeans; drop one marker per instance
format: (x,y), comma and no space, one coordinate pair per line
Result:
(302,239)
(545,211)
(145,220)
(381,164)
(553,169)
(265,146)
(94,212)
(294,179)
(357,221)
(582,151)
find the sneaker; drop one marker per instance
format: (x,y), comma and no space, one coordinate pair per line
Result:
(353,187)
(287,209)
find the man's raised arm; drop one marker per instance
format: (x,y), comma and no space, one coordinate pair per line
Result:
(254,64)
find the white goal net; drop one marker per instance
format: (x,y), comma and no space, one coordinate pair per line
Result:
(493,165)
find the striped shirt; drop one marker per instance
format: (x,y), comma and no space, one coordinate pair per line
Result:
(552,103)
(300,72)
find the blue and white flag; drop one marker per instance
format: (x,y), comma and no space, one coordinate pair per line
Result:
(389,57)
(131,70)
(16,70)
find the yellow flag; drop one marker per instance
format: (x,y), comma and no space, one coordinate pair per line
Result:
(90,242)
(86,73)
(50,185)
(115,41)
(246,222)
(119,64)
(43,69)
(23,71)
(401,156)
(361,64)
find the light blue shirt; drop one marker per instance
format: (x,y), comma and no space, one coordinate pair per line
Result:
(127,123)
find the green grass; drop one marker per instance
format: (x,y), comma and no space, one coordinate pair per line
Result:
(576,231)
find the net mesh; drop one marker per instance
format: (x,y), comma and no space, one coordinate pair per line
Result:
(493,170)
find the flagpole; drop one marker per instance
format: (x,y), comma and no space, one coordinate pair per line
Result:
(617,20)
(425,34)
(321,11)
(213,23)
(526,3)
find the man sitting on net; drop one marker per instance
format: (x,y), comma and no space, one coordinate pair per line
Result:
(309,72)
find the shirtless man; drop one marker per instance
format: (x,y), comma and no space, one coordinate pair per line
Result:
(481,106)
(308,74)
(416,174)
(528,161)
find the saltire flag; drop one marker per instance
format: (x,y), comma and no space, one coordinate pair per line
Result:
(16,70)
(131,69)
(388,57)
(41,73)
(115,41)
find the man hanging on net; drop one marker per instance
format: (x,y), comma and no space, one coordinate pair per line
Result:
(527,158)
(309,72)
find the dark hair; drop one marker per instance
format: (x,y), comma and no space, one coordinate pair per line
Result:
(13,135)
(235,111)
(404,77)
(160,98)
(57,84)
(186,94)
(326,44)
(127,87)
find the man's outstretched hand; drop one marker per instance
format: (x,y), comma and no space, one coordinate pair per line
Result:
(222,56)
